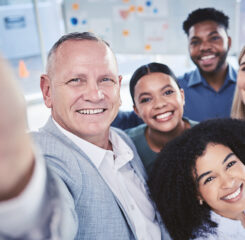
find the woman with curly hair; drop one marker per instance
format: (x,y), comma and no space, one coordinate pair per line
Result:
(159,101)
(198,182)
(238,105)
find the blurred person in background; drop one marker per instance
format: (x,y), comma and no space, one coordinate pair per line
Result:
(209,89)
(238,105)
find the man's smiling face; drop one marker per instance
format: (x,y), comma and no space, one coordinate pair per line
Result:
(208,46)
(82,88)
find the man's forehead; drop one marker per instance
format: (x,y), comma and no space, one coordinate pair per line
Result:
(206,27)
(84,48)
(81,54)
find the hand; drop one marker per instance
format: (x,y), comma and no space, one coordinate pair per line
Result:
(16,155)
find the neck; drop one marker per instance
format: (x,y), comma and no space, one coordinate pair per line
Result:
(241,217)
(157,139)
(216,79)
(100,141)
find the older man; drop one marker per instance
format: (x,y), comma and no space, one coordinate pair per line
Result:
(98,165)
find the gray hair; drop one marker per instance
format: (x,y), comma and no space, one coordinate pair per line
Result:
(76,36)
(73,36)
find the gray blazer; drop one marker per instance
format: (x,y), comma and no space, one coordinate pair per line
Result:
(100,214)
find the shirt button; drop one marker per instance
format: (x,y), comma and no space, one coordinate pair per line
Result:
(132,207)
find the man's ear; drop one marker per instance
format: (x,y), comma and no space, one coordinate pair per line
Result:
(45,87)
(229,42)
(120,80)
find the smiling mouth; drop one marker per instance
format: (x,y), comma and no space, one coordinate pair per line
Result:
(91,111)
(207,57)
(234,194)
(164,115)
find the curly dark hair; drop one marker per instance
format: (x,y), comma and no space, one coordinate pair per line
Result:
(172,184)
(203,14)
(147,69)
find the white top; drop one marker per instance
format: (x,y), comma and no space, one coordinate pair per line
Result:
(115,168)
(228,229)
(19,215)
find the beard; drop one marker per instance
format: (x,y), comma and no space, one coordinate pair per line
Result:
(221,62)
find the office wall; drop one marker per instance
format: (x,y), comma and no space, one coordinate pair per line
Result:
(141,26)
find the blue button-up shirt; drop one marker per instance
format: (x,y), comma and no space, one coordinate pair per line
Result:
(202,102)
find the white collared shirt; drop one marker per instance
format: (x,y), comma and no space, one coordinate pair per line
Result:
(116,170)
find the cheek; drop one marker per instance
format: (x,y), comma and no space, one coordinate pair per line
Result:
(242,92)
(143,110)
(241,80)
(209,193)
(178,102)
(113,95)
(192,51)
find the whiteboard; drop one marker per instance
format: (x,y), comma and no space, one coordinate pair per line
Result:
(142,26)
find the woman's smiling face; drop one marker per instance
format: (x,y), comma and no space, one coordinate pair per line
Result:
(159,101)
(220,176)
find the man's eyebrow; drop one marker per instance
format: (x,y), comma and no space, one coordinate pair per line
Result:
(202,175)
(214,32)
(166,86)
(194,38)
(197,38)
(227,157)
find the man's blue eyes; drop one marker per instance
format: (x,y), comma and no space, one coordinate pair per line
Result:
(168,92)
(106,79)
(76,80)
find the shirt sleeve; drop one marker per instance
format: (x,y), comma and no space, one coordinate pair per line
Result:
(20,214)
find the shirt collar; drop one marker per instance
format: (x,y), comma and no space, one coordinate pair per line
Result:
(197,78)
(223,222)
(121,151)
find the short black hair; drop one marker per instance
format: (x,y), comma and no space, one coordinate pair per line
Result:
(172,184)
(147,69)
(204,14)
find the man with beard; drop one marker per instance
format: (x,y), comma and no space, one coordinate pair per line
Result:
(210,87)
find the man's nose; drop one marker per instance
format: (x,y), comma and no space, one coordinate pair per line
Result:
(93,92)
(205,45)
